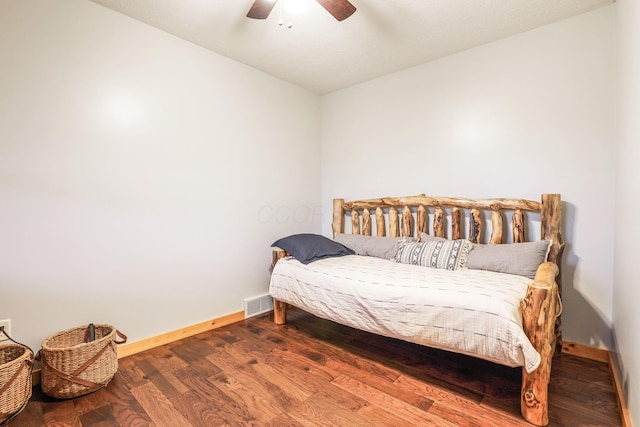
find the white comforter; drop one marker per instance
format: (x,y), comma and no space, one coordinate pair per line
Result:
(472,312)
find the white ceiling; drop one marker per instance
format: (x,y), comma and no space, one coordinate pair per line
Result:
(324,55)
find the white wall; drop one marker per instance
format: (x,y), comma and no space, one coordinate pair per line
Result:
(516,118)
(626,315)
(142,178)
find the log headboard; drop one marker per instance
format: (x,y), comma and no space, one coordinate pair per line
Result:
(409,216)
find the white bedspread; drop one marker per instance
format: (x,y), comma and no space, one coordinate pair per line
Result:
(472,312)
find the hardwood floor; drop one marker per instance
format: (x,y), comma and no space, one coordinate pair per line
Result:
(315,372)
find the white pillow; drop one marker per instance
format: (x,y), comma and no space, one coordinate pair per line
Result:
(442,253)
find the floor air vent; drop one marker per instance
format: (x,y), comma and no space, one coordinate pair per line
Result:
(257,305)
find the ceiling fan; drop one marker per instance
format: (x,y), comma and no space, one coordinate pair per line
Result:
(340,9)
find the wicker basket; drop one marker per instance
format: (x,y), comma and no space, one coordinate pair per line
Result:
(73,366)
(16,361)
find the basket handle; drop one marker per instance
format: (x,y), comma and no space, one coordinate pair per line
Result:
(123,338)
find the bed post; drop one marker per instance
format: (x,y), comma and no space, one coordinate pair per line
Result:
(279,307)
(539,309)
(338,216)
(279,312)
(541,315)
(550,218)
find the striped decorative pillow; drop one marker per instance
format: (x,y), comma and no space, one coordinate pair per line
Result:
(445,254)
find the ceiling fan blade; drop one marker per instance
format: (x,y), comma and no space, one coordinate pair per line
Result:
(261,9)
(340,9)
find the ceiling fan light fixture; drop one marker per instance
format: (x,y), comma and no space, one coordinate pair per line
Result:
(340,9)
(294,7)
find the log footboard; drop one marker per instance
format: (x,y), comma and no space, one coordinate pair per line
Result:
(540,307)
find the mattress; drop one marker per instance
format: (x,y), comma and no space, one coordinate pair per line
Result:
(473,312)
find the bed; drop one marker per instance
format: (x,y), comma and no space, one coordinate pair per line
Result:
(465,276)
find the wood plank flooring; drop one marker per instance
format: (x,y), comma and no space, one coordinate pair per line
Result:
(313,372)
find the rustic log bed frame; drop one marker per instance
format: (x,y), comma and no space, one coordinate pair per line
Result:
(409,216)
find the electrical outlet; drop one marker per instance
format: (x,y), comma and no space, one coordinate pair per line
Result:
(6,326)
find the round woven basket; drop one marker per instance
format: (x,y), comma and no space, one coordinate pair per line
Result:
(15,379)
(73,366)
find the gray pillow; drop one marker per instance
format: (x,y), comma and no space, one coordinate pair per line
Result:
(375,246)
(424,237)
(522,259)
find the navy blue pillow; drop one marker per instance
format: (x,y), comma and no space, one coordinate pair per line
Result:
(306,247)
